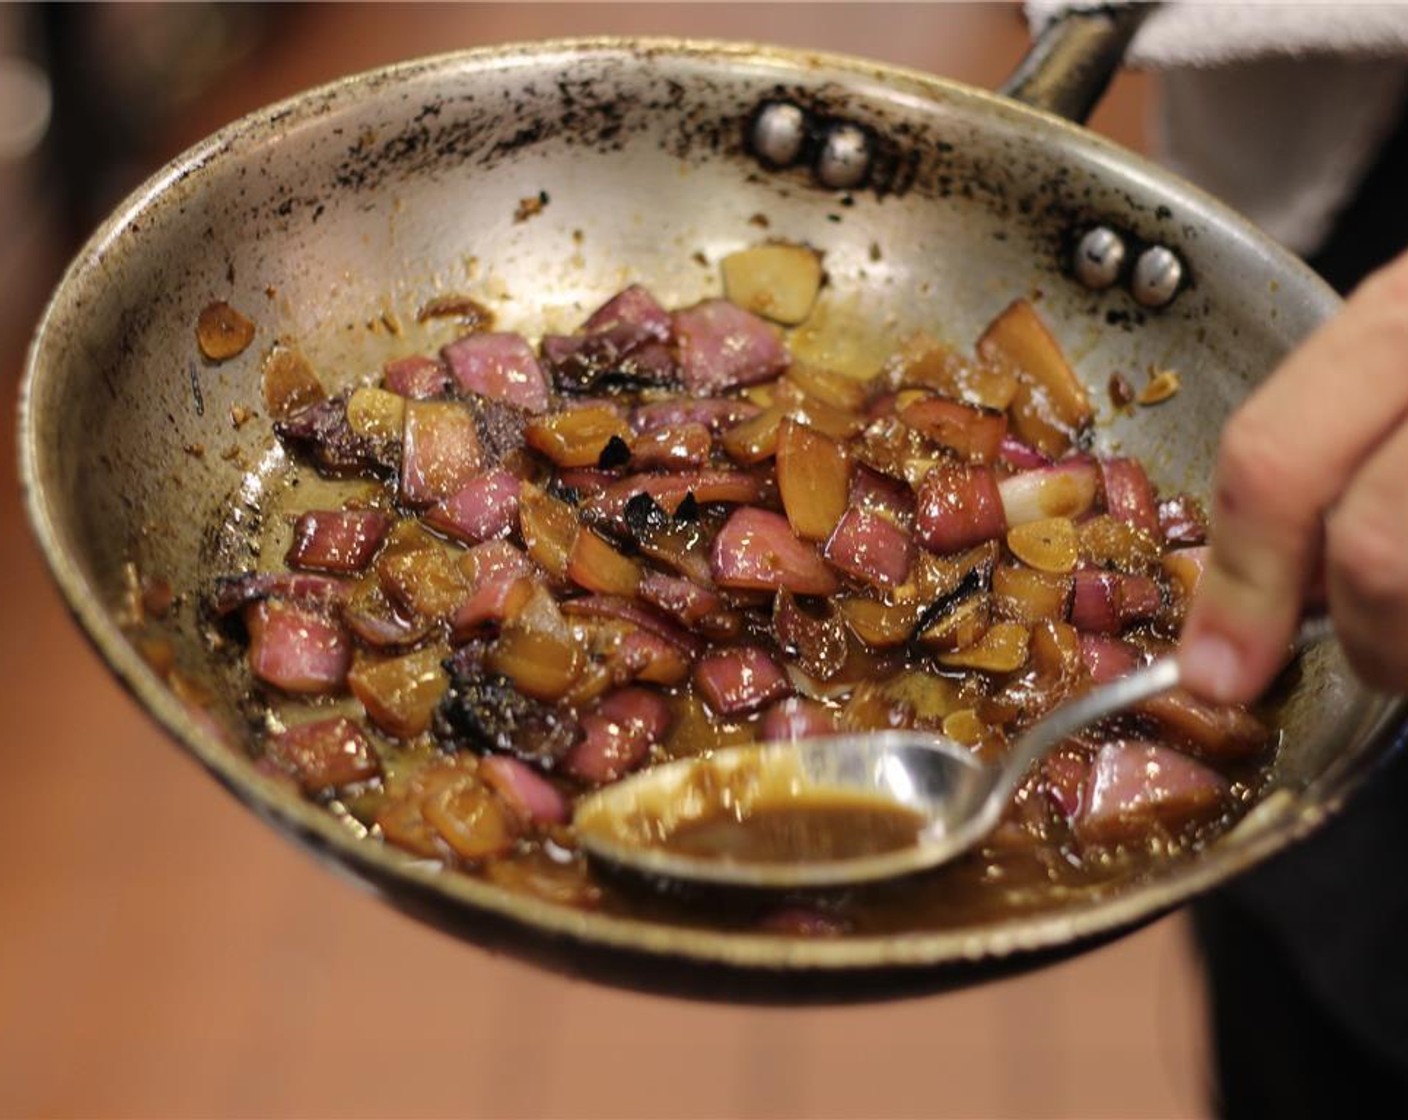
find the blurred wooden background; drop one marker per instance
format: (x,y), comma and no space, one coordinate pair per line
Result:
(162,954)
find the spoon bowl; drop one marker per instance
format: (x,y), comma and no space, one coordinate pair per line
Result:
(940,797)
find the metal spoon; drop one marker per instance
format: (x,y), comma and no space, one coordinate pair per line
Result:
(959,798)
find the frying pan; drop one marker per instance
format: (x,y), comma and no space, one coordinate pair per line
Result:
(332,217)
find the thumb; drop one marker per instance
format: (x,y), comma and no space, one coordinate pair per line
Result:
(1265,542)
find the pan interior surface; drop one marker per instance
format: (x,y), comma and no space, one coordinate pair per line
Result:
(540,180)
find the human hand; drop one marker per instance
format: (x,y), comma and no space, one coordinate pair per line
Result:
(1310,505)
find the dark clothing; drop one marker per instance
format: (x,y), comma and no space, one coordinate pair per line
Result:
(1307,957)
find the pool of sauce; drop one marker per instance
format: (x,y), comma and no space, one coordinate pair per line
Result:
(803,830)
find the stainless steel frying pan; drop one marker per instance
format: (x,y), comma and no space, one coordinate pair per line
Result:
(330,218)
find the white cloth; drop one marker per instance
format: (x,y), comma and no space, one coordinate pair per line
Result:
(1276,108)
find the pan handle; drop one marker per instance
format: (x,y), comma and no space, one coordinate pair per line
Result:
(1069,67)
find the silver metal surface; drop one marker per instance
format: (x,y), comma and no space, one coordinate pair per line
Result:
(779,133)
(1157,275)
(844,158)
(1099,257)
(343,210)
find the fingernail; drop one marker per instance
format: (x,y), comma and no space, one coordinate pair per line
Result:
(1211,667)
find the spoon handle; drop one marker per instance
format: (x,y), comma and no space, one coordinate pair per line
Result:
(1065,719)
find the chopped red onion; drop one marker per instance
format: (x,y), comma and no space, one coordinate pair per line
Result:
(418,377)
(1129,496)
(633,309)
(341,541)
(722,346)
(798,718)
(1221,732)
(324,754)
(974,433)
(1107,658)
(1182,520)
(871,548)
(1135,786)
(499,365)
(617,737)
(741,679)
(1064,777)
(234,592)
(533,798)
(756,550)
(297,650)
(1019,455)
(1064,489)
(673,447)
(484,508)
(872,490)
(494,560)
(682,598)
(959,506)
(669,490)
(1106,602)
(492,604)
(715,413)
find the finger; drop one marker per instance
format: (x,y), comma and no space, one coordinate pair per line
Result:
(1366,566)
(1284,459)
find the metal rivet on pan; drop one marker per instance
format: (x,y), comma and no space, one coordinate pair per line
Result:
(1099,258)
(779,133)
(844,158)
(1157,274)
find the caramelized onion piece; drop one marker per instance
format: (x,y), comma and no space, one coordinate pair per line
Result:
(223,332)
(973,433)
(440,451)
(778,281)
(1001,649)
(673,447)
(1049,545)
(637,614)
(289,383)
(470,819)
(1051,407)
(549,529)
(595,565)
(576,437)
(813,477)
(1222,732)
(817,641)
(1029,596)
(540,663)
(880,624)
(400,693)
